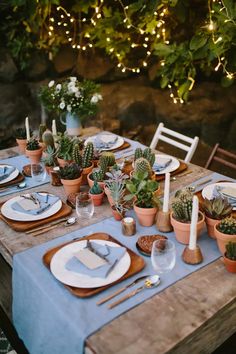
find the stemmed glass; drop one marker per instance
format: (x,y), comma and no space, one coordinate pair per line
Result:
(38,172)
(84,205)
(163,256)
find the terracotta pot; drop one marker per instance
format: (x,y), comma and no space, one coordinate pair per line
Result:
(223,239)
(108,194)
(22,145)
(62,162)
(182,230)
(71,185)
(146,216)
(117,215)
(230,265)
(85,173)
(91,182)
(34,155)
(97,198)
(210,224)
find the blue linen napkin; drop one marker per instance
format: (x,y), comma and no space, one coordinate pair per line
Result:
(6,171)
(158,167)
(101,144)
(113,257)
(45,201)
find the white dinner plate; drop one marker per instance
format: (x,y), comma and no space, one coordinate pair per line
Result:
(12,176)
(12,214)
(68,277)
(208,190)
(107,137)
(172,166)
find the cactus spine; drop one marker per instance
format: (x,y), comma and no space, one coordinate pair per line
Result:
(146,153)
(182,205)
(231,250)
(48,139)
(228,226)
(76,155)
(87,155)
(142,165)
(138,153)
(110,157)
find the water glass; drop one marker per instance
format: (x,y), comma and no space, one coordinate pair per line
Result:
(38,172)
(163,256)
(84,205)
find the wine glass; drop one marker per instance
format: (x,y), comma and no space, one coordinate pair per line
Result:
(38,172)
(84,205)
(163,255)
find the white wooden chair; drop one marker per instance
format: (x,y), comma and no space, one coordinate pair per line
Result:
(190,149)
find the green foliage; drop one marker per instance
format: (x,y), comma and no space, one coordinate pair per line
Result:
(50,158)
(231,250)
(71,171)
(20,133)
(96,189)
(65,147)
(227,226)
(182,205)
(33,144)
(217,208)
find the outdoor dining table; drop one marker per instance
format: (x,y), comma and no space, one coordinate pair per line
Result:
(194,315)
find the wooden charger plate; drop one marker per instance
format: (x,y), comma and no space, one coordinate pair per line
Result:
(23,226)
(16,180)
(122,147)
(137,264)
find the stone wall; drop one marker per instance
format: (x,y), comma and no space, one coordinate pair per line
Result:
(131,105)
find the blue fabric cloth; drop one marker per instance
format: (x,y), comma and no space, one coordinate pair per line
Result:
(158,167)
(113,256)
(45,203)
(6,171)
(19,162)
(106,143)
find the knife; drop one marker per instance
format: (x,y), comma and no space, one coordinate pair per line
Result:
(46,226)
(117,292)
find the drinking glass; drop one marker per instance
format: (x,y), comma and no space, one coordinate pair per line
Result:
(38,172)
(163,256)
(84,205)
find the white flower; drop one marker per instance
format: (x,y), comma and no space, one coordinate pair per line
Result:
(96,97)
(73,78)
(51,83)
(69,108)
(62,105)
(58,87)
(78,94)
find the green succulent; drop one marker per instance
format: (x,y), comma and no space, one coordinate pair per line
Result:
(217,208)
(96,189)
(20,133)
(65,146)
(231,250)
(50,158)
(227,226)
(71,171)
(33,144)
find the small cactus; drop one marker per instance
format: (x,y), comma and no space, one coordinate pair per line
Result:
(42,129)
(33,144)
(231,250)
(142,165)
(227,226)
(76,154)
(87,155)
(110,157)
(98,174)
(146,153)
(182,205)
(96,189)
(48,139)
(138,153)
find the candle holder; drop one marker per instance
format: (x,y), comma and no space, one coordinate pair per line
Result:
(192,256)
(163,221)
(55,178)
(128,226)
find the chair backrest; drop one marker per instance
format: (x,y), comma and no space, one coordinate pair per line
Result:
(190,149)
(218,154)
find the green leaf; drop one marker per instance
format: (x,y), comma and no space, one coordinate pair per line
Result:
(162,49)
(164,81)
(197,42)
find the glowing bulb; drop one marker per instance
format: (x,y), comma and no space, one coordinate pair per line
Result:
(65,24)
(153,32)
(50,33)
(146,39)
(181,101)
(59,23)
(145,45)
(51,28)
(99,15)
(217,66)
(155,13)
(52,19)
(97,10)
(128,26)
(123,70)
(67,32)
(169,86)
(141,31)
(111,50)
(73,46)
(219,40)
(84,19)
(72,20)
(84,48)
(108,39)
(78,46)
(70,39)
(230,76)
(119,65)
(162,63)
(144,63)
(211,26)
(90,45)
(148,52)
(175,100)
(171,95)
(126,7)
(62,16)
(158,35)
(138,70)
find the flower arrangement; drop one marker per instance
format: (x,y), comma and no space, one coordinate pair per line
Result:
(71,96)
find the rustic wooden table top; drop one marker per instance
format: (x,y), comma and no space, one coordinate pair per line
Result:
(195,315)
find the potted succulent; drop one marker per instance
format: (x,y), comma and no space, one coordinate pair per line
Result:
(230,257)
(142,191)
(49,159)
(181,215)
(84,159)
(97,194)
(215,209)
(65,149)
(34,151)
(225,231)
(71,178)
(20,135)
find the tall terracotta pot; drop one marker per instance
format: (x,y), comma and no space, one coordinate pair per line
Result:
(223,239)
(22,145)
(34,155)
(146,216)
(182,230)
(71,185)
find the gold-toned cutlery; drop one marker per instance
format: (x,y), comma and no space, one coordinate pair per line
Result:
(69,222)
(174,178)
(47,225)
(119,291)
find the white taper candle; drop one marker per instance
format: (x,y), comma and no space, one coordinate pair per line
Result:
(27,128)
(193,226)
(166,193)
(54,127)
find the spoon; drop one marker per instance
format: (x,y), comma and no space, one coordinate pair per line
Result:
(70,221)
(150,282)
(19,186)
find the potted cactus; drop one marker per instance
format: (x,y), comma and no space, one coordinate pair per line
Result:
(225,231)
(181,215)
(116,188)
(97,194)
(141,165)
(230,257)
(146,154)
(71,178)
(20,136)
(215,209)
(84,159)
(99,174)
(34,151)
(65,148)
(49,159)
(142,190)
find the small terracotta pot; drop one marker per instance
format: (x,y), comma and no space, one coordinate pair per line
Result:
(34,155)
(91,181)
(62,162)
(116,214)
(71,185)
(97,198)
(182,230)
(223,239)
(146,216)
(210,224)
(85,173)
(108,194)
(22,145)
(230,265)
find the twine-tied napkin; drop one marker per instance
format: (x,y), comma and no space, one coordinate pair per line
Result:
(43,203)
(160,166)
(6,171)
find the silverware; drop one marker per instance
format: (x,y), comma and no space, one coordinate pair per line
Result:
(16,185)
(193,188)
(119,291)
(46,226)
(69,222)
(174,178)
(150,283)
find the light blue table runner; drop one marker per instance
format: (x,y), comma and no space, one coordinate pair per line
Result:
(19,162)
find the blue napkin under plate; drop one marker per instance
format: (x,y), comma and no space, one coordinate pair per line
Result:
(111,254)
(45,203)
(6,171)
(105,144)
(158,167)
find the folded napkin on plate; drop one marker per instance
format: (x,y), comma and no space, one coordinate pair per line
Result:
(226,192)
(109,257)
(105,141)
(6,171)
(158,167)
(26,206)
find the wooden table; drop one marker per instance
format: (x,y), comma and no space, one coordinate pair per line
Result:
(195,315)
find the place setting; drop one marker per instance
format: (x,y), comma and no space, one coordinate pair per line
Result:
(10,176)
(168,164)
(106,141)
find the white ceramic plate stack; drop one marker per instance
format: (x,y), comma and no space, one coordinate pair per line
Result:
(61,257)
(106,138)
(174,165)
(207,191)
(12,176)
